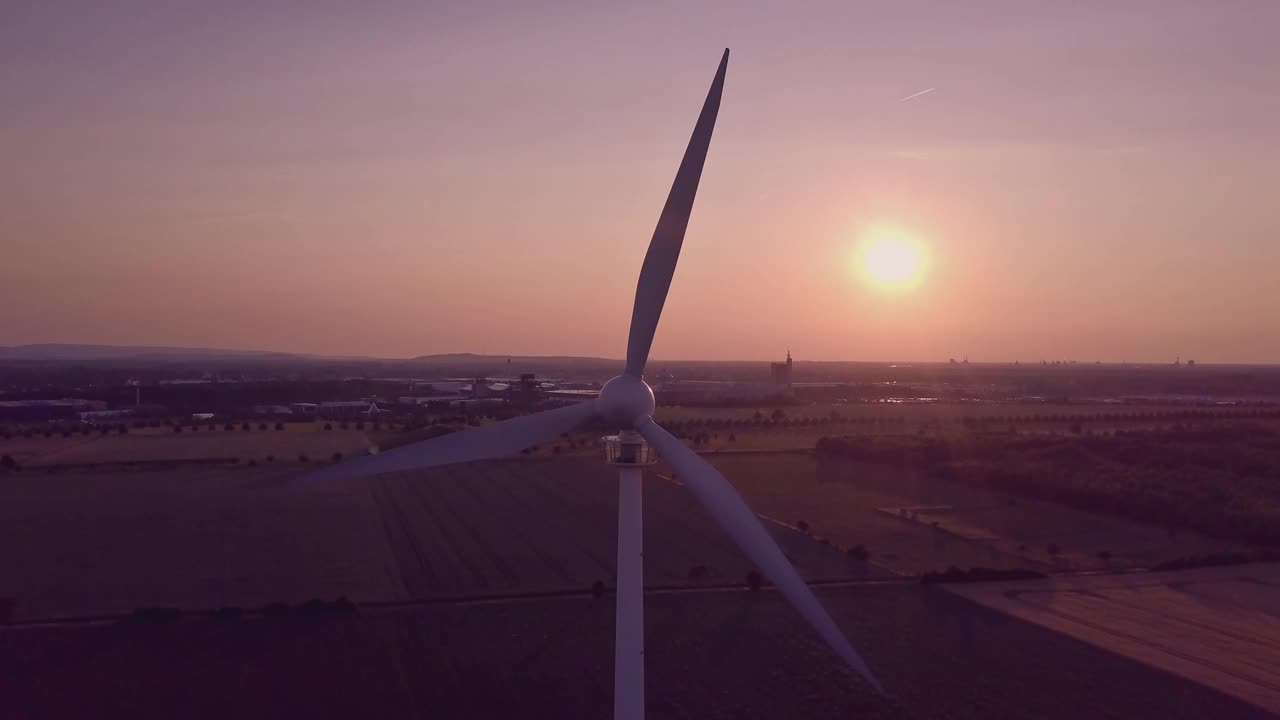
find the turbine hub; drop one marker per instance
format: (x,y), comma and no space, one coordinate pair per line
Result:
(625,399)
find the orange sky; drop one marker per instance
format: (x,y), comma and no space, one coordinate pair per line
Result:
(1091,182)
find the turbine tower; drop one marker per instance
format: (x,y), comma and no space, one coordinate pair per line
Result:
(627,401)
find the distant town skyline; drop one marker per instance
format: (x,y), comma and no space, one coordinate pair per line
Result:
(1090,180)
(70,351)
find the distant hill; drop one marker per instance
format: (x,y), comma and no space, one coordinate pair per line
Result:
(449,358)
(78,353)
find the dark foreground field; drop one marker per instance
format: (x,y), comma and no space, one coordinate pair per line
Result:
(730,654)
(84,543)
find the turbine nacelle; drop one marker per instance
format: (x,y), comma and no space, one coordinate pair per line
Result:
(625,400)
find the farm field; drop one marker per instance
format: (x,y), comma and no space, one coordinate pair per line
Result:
(114,540)
(858,503)
(199,537)
(924,412)
(1218,479)
(1216,626)
(709,654)
(152,444)
(541,525)
(111,541)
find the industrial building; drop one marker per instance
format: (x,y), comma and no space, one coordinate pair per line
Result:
(42,410)
(780,373)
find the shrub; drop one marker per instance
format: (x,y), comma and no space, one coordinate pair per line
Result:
(802,526)
(859,552)
(954,574)
(177,428)
(224,614)
(8,463)
(262,426)
(343,425)
(271,458)
(1105,556)
(303,458)
(1219,559)
(156,615)
(275,610)
(245,426)
(1053,549)
(314,606)
(279,426)
(754,580)
(337,457)
(327,426)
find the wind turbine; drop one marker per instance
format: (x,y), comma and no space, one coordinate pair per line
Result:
(627,400)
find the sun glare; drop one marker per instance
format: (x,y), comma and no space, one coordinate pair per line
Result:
(891,261)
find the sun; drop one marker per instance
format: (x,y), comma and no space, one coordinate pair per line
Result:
(891,260)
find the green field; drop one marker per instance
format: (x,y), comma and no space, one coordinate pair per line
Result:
(155,444)
(853,503)
(1221,479)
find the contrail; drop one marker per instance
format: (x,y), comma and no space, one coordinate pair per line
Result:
(916,95)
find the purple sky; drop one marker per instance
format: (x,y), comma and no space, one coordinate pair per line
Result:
(1094,180)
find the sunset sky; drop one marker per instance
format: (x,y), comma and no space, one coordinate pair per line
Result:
(1089,180)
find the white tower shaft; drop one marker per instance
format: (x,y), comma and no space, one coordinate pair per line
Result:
(628,658)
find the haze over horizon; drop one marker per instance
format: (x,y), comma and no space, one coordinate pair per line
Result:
(1088,182)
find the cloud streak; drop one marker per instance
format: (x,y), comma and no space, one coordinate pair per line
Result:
(916,95)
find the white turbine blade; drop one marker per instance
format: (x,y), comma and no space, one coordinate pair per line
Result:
(664,248)
(732,513)
(487,441)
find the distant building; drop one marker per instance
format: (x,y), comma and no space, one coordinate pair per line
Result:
(348,409)
(94,417)
(429,399)
(527,391)
(304,409)
(35,410)
(780,373)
